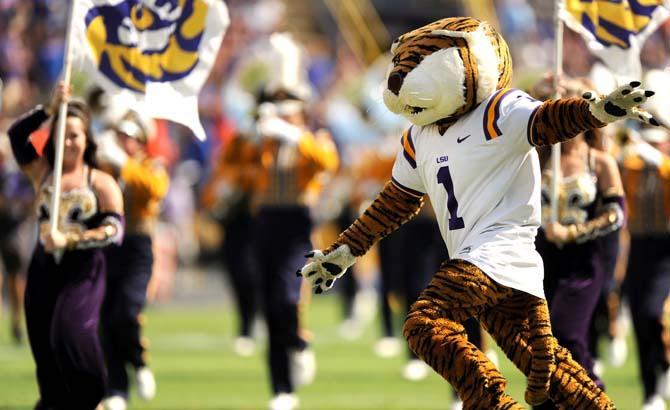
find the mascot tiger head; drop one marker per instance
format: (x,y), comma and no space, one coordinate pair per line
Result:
(445,69)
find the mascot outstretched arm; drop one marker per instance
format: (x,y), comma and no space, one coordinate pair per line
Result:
(471,150)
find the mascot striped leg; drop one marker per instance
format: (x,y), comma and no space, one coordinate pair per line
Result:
(438,337)
(570,387)
(434,332)
(543,362)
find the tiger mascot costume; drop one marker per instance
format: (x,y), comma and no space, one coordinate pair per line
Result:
(471,149)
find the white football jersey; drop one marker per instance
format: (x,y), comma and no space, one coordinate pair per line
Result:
(483,179)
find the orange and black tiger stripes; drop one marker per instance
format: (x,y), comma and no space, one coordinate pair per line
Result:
(570,386)
(518,322)
(434,331)
(543,363)
(459,277)
(439,338)
(392,208)
(471,76)
(454,24)
(559,120)
(504,60)
(413,47)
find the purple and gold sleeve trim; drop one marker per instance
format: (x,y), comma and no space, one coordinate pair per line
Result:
(111,232)
(611,218)
(492,114)
(407,190)
(530,134)
(408,150)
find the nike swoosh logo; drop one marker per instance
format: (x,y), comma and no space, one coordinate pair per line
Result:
(459,139)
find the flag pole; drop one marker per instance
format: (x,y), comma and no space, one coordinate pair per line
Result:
(60,131)
(558,73)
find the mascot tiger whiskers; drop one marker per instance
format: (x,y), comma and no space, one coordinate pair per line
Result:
(471,149)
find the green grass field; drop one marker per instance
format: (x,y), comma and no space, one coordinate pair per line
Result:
(195,368)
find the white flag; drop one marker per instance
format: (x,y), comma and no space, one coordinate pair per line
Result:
(151,55)
(615,30)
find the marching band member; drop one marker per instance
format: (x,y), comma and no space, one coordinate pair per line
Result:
(293,162)
(144,181)
(227,196)
(645,168)
(590,207)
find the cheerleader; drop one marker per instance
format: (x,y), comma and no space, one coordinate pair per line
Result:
(64,295)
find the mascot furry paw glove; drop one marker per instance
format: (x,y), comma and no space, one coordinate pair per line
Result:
(622,103)
(326,268)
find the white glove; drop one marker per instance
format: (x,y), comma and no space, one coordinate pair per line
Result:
(109,151)
(325,269)
(622,103)
(276,127)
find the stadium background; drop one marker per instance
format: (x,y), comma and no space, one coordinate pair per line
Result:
(190,322)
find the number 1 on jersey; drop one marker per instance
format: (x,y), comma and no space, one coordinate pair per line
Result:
(444,178)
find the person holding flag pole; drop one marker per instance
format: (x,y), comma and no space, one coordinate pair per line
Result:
(591,204)
(153,58)
(615,31)
(80,210)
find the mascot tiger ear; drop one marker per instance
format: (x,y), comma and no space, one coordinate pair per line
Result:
(445,69)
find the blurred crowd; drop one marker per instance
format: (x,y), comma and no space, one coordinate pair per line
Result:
(343,99)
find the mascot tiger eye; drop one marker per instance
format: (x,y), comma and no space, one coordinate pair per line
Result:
(471,149)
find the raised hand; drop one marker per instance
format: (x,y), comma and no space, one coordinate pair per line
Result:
(323,270)
(271,125)
(61,93)
(622,103)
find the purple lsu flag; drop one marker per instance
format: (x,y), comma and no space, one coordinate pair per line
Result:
(615,30)
(151,55)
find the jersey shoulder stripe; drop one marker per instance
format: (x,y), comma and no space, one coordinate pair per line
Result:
(406,189)
(492,114)
(408,147)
